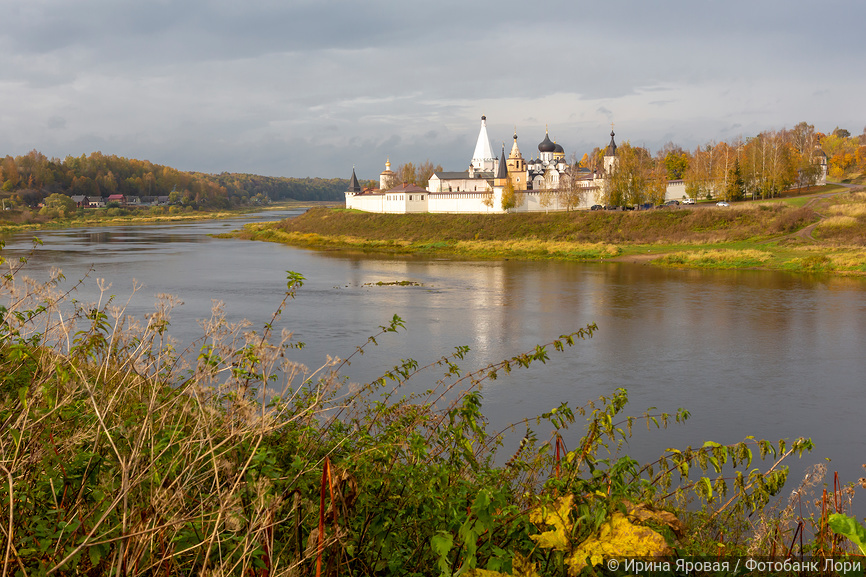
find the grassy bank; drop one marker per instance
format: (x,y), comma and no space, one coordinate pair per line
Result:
(821,234)
(117,458)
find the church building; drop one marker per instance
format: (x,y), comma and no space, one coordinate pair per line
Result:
(544,183)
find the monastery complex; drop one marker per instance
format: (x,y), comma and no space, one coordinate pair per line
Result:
(543,184)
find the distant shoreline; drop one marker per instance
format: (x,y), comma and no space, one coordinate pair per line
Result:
(90,217)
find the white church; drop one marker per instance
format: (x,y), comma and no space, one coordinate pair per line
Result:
(545,183)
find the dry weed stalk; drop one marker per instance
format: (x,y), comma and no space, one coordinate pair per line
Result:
(136,461)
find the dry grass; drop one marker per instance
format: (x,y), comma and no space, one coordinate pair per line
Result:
(716,258)
(539,248)
(851,210)
(838,222)
(849,260)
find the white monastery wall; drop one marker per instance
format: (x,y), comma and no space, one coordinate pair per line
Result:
(461,202)
(366,202)
(676,190)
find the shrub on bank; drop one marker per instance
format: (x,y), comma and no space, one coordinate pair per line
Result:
(119,458)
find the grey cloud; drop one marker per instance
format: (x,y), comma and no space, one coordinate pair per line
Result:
(56,123)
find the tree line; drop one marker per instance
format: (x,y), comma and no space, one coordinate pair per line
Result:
(32,177)
(757,167)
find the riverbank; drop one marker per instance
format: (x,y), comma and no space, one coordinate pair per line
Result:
(16,221)
(824,233)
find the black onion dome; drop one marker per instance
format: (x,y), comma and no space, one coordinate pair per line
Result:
(558,148)
(546,144)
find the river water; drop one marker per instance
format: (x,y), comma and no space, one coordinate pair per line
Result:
(757,353)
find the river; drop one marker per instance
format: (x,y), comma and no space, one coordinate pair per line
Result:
(758,353)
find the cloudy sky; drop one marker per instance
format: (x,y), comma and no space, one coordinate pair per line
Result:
(311,88)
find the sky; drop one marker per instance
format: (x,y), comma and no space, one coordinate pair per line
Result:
(314,88)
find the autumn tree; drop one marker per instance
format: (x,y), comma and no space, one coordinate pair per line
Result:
(584,162)
(9,174)
(406,173)
(657,184)
(418,175)
(573,195)
(861,158)
(804,141)
(57,205)
(735,188)
(841,153)
(769,164)
(633,180)
(675,159)
(510,197)
(595,161)
(803,138)
(699,175)
(424,171)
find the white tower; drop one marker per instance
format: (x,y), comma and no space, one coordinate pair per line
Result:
(483,159)
(610,155)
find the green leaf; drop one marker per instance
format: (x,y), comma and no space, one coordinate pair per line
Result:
(708,487)
(850,528)
(96,553)
(442,542)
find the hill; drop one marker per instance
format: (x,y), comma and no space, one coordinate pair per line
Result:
(30,178)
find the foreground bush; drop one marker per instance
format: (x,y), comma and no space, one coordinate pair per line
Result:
(120,458)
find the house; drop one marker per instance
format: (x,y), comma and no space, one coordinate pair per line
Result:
(80,201)
(119,198)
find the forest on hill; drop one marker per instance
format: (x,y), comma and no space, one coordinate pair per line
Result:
(28,179)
